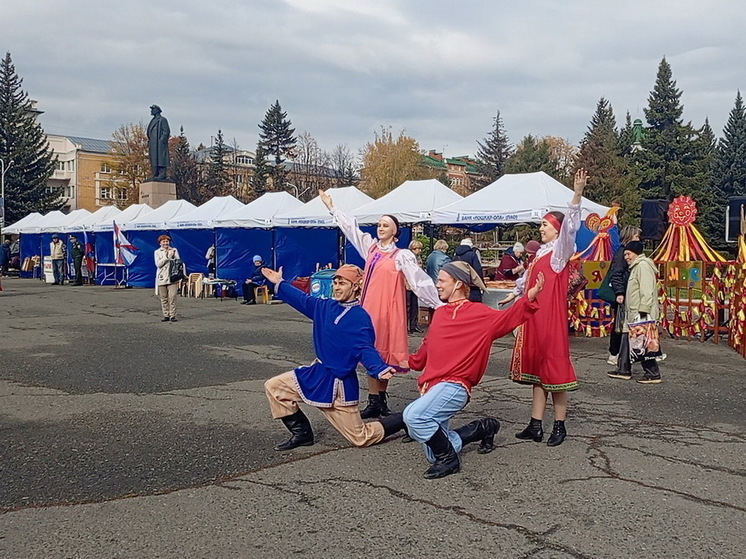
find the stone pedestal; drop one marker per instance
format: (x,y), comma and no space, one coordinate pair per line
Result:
(157,193)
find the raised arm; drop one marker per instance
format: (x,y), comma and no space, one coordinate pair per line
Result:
(349,227)
(565,247)
(294,297)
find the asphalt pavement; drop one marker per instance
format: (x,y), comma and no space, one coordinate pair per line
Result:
(125,437)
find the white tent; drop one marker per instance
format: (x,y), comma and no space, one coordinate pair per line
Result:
(75,216)
(52,218)
(23,222)
(260,212)
(203,216)
(411,202)
(158,217)
(101,214)
(315,214)
(519,198)
(128,214)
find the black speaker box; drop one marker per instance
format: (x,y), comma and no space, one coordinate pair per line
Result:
(733,218)
(654,219)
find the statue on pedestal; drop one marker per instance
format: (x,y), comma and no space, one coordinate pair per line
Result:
(158,135)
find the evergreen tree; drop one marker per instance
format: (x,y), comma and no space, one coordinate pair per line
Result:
(492,154)
(729,166)
(22,141)
(262,171)
(184,169)
(600,155)
(276,137)
(531,156)
(668,163)
(217,182)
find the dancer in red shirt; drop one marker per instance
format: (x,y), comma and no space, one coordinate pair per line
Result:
(454,357)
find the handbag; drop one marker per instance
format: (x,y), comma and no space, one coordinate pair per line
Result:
(176,270)
(605,292)
(644,341)
(577,280)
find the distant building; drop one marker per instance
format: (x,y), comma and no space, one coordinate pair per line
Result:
(460,171)
(239,164)
(84,175)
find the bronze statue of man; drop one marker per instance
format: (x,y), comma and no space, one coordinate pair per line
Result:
(158,135)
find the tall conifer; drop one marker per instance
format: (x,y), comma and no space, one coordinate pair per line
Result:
(492,154)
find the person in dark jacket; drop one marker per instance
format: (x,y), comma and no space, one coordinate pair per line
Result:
(511,266)
(256,280)
(77,253)
(466,252)
(618,277)
(5,256)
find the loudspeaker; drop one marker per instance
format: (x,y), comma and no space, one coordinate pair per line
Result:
(733,218)
(654,219)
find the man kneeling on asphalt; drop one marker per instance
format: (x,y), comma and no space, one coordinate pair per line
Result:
(454,357)
(343,336)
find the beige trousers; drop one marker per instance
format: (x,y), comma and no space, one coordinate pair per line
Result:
(167,294)
(283,396)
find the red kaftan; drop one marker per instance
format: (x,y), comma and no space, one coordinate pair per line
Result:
(541,354)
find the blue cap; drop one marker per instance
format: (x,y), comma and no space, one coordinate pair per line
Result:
(256,258)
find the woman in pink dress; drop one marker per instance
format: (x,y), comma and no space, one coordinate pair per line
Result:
(541,355)
(383,294)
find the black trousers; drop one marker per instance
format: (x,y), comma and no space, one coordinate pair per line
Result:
(78,266)
(248,292)
(624,364)
(615,338)
(413,309)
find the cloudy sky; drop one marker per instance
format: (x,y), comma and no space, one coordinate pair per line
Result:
(342,68)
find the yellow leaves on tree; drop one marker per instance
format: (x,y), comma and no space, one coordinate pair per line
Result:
(129,162)
(389,161)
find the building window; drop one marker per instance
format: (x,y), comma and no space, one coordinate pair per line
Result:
(244,160)
(121,193)
(68,191)
(105,193)
(105,168)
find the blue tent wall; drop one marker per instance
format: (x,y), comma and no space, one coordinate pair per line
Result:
(351,255)
(299,250)
(236,247)
(192,245)
(142,271)
(30,246)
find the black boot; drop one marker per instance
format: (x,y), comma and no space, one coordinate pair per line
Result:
(558,434)
(446,458)
(392,424)
(384,403)
(483,430)
(300,429)
(373,409)
(534,431)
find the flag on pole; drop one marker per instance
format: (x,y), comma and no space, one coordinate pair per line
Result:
(124,252)
(89,257)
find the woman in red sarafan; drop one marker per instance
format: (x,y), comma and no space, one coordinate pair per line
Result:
(541,355)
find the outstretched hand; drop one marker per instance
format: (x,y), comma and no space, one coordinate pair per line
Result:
(580,181)
(386,374)
(538,286)
(326,199)
(272,275)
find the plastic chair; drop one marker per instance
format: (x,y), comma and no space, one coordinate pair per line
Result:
(194,284)
(261,293)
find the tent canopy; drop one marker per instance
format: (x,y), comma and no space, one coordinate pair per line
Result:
(411,202)
(23,222)
(315,214)
(260,212)
(99,215)
(50,219)
(157,218)
(204,216)
(128,214)
(73,218)
(519,198)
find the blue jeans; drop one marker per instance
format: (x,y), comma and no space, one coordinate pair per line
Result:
(57,266)
(434,410)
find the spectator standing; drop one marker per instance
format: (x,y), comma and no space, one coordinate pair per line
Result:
(413,305)
(58,253)
(5,257)
(437,259)
(77,253)
(466,252)
(164,288)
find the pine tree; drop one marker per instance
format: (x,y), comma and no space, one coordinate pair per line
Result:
(492,154)
(23,142)
(217,181)
(600,155)
(531,156)
(276,137)
(262,170)
(729,166)
(184,169)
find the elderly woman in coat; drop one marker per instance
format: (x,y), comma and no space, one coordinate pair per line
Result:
(640,303)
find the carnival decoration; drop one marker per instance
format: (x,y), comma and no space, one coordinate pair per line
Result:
(683,241)
(600,247)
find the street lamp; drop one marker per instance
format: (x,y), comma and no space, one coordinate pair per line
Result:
(3,170)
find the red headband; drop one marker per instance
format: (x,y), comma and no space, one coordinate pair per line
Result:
(553,221)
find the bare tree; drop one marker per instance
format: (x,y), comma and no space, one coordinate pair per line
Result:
(345,166)
(129,163)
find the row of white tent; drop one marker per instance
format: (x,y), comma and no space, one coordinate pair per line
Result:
(518,198)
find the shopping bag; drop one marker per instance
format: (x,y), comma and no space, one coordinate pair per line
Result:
(577,281)
(644,342)
(605,292)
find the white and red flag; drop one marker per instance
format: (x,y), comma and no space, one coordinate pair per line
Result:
(124,252)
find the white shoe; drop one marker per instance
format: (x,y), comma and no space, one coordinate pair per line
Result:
(661,357)
(612,360)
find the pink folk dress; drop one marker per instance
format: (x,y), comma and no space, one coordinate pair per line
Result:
(383,295)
